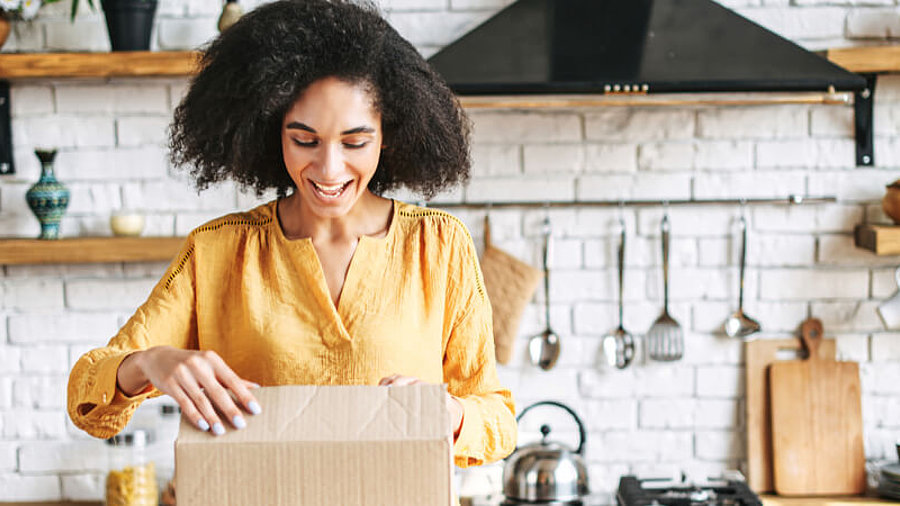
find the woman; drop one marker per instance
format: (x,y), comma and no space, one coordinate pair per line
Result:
(330,284)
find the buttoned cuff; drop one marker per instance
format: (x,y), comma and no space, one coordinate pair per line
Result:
(109,392)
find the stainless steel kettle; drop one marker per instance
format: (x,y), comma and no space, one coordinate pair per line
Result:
(546,471)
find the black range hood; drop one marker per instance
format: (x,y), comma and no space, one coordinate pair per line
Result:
(645,46)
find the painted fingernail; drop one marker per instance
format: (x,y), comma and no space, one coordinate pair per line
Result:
(203,425)
(239,421)
(218,429)
(254,407)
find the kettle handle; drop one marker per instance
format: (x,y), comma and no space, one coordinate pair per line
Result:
(581,431)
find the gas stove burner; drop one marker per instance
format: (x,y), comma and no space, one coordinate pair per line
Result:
(512,502)
(730,490)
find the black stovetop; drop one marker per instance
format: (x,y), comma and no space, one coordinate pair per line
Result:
(665,492)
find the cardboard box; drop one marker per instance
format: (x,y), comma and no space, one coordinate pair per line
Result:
(324,446)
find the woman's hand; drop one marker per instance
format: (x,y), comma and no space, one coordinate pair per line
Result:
(198,380)
(453,405)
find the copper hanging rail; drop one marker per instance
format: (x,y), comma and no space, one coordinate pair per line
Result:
(790,200)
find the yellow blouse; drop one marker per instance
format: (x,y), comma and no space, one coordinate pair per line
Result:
(413,303)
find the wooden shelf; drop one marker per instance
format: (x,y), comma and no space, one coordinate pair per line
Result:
(87,250)
(850,500)
(653,100)
(867,59)
(879,239)
(113,64)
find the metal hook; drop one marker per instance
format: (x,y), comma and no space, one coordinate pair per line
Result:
(546,217)
(487,225)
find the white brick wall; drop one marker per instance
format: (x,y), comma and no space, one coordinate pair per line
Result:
(44,457)
(630,125)
(20,424)
(27,329)
(651,418)
(768,122)
(40,392)
(83,487)
(806,23)
(17,487)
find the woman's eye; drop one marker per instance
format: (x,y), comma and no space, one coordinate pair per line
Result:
(355,145)
(305,144)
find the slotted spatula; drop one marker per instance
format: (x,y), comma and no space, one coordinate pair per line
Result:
(665,339)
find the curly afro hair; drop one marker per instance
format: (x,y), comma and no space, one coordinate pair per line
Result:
(229,123)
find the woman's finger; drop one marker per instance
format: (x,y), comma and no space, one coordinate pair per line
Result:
(221,399)
(188,409)
(198,397)
(227,377)
(400,380)
(407,380)
(387,380)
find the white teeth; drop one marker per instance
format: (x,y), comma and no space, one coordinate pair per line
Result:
(330,192)
(329,188)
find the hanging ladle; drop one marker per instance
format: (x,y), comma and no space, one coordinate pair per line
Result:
(739,324)
(543,349)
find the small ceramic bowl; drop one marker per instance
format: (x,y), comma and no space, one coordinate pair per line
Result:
(126,223)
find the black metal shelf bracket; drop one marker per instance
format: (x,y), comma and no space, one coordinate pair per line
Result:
(863,119)
(6,152)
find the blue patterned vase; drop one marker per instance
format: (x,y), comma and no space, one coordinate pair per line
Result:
(48,198)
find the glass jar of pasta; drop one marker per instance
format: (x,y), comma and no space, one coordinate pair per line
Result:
(131,480)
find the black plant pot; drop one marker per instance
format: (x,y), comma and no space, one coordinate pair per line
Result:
(129,23)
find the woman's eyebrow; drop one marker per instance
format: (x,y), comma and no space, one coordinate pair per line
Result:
(300,126)
(359,130)
(296,125)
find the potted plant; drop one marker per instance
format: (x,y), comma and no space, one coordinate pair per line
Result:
(14,10)
(129,22)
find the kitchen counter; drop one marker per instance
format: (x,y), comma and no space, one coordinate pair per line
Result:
(51,503)
(774,500)
(768,500)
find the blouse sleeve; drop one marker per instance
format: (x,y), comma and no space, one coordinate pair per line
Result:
(95,403)
(488,431)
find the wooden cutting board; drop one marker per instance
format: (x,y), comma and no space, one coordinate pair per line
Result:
(817,439)
(758,355)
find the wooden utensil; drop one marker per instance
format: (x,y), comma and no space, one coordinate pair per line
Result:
(817,440)
(758,356)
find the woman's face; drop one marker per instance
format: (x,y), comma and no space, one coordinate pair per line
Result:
(331,141)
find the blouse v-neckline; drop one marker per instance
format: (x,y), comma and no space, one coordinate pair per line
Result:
(365,256)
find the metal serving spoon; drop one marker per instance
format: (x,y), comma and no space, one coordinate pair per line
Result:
(739,324)
(543,348)
(618,345)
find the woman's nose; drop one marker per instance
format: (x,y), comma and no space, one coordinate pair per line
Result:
(332,161)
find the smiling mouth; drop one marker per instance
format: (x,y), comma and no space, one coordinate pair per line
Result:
(330,191)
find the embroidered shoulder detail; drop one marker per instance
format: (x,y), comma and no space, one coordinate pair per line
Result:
(234,220)
(411,211)
(179,266)
(248,219)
